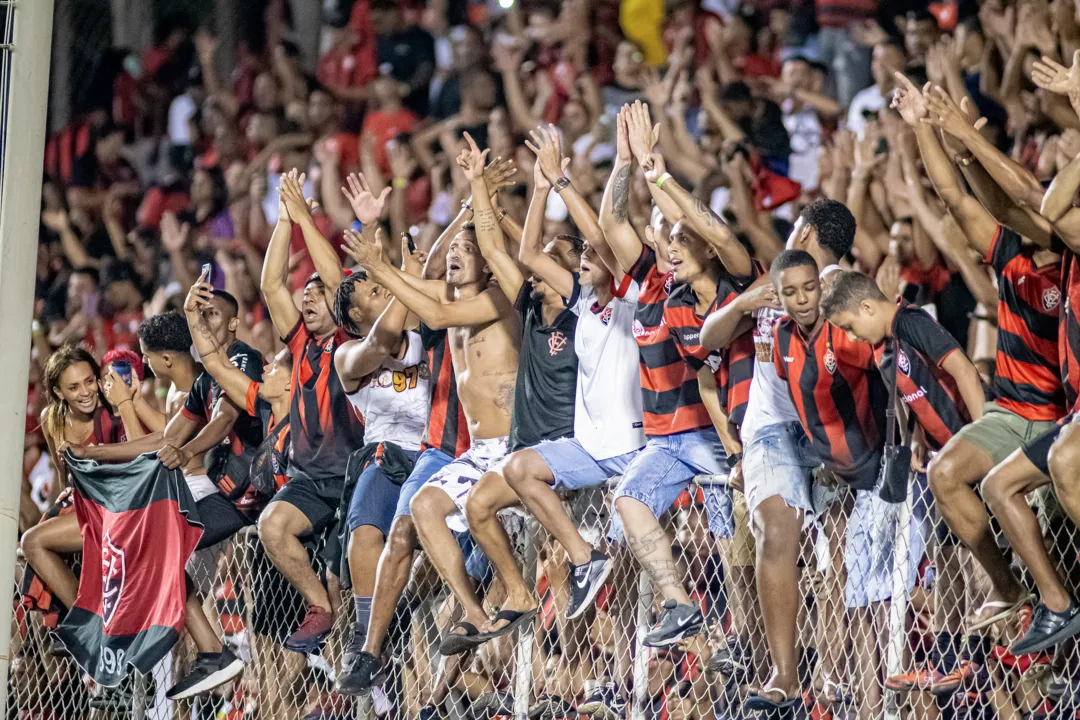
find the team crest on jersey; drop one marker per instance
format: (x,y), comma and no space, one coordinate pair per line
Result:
(556,343)
(903,362)
(830,362)
(668,282)
(1051,298)
(113,572)
(639,329)
(605,315)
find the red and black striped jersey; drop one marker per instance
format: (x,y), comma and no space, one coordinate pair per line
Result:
(671,402)
(323,427)
(732,367)
(447,429)
(1069,327)
(1028,380)
(839,395)
(923,385)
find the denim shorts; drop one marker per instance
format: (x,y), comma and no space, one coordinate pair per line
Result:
(574,468)
(375,499)
(779,460)
(664,468)
(869,554)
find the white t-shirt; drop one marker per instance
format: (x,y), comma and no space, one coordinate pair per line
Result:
(394,402)
(866,99)
(607,406)
(804,129)
(770,398)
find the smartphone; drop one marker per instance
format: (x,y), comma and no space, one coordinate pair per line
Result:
(123,369)
(411,242)
(208,272)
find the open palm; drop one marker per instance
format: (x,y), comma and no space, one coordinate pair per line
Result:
(366,205)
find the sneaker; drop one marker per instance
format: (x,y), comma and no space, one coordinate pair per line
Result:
(429,712)
(731,659)
(1048,628)
(494,703)
(314,629)
(365,672)
(551,707)
(675,623)
(605,703)
(586,581)
(949,684)
(919,678)
(210,671)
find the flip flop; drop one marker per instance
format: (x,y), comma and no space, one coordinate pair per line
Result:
(1006,610)
(762,703)
(453,643)
(513,618)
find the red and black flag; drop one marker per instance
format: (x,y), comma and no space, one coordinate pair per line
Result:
(139,526)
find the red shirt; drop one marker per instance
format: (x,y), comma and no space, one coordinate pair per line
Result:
(349,67)
(382,126)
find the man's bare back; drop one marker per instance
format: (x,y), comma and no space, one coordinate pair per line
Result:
(485,362)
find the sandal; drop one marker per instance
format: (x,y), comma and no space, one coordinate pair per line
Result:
(513,618)
(1004,608)
(453,643)
(836,693)
(762,703)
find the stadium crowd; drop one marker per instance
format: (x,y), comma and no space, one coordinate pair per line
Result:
(779,265)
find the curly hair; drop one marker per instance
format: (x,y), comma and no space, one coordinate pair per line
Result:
(834,223)
(165,333)
(343,301)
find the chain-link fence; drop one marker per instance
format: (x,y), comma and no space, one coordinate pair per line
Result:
(906,586)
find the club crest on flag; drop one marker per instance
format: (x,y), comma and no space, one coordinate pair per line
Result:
(113,570)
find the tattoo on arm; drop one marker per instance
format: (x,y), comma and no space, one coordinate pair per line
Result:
(485,220)
(204,332)
(704,213)
(620,194)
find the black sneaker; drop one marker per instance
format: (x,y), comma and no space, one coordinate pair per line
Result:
(490,704)
(348,678)
(586,581)
(429,712)
(365,672)
(210,671)
(604,703)
(1048,628)
(675,623)
(731,659)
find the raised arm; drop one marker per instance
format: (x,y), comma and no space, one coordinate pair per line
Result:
(548,170)
(275,292)
(643,136)
(215,361)
(489,235)
(356,359)
(977,223)
(1057,204)
(619,234)
(319,248)
(1054,77)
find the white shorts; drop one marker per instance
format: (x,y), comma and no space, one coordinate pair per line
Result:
(457,478)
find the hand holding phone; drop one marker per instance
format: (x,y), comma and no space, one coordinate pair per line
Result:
(123,369)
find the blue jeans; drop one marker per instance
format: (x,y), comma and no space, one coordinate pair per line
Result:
(665,467)
(779,460)
(375,499)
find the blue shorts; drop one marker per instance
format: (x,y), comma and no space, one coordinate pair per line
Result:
(780,461)
(869,554)
(574,468)
(664,468)
(375,499)
(430,462)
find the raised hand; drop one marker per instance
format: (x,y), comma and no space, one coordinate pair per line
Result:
(117,391)
(1051,75)
(472,159)
(943,113)
(642,134)
(653,166)
(56,220)
(291,190)
(548,150)
(173,234)
(198,295)
(365,204)
(499,174)
(908,101)
(622,136)
(367,254)
(412,261)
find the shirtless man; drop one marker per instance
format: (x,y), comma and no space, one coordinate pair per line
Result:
(484,333)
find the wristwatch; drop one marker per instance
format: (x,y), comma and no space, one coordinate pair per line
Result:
(733,459)
(562,183)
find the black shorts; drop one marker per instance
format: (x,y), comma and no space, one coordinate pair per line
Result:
(317,499)
(1037,450)
(220,520)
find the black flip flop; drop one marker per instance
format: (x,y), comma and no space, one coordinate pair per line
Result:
(513,618)
(760,703)
(453,643)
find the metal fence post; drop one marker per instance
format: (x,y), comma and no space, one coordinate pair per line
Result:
(523,651)
(894,662)
(641,652)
